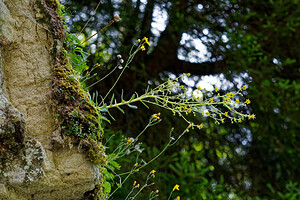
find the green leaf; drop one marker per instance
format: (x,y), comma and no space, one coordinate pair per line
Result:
(132,106)
(104,118)
(107,187)
(121,109)
(112,99)
(111,115)
(103,109)
(114,164)
(147,89)
(132,97)
(145,105)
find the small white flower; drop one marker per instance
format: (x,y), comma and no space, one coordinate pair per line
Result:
(138,148)
(198,95)
(117,18)
(120,67)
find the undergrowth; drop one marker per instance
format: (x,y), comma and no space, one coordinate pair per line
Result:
(81,115)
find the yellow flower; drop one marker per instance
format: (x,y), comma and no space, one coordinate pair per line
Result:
(189,126)
(240,120)
(244,87)
(252,116)
(86,68)
(188,74)
(143,48)
(153,171)
(153,176)
(222,120)
(184,107)
(226,114)
(178,198)
(135,164)
(98,64)
(216,89)
(146,40)
(207,113)
(138,40)
(187,130)
(211,100)
(134,182)
(189,110)
(230,94)
(155,116)
(138,185)
(182,86)
(226,100)
(157,191)
(176,187)
(201,126)
(199,88)
(87,72)
(247,101)
(129,141)
(237,101)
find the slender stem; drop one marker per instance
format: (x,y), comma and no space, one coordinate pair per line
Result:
(120,185)
(103,77)
(110,23)
(170,194)
(158,155)
(114,84)
(89,18)
(146,185)
(129,193)
(126,66)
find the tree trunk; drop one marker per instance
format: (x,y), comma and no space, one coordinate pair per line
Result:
(31,165)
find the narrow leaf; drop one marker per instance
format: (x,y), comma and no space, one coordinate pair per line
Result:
(147,89)
(112,99)
(111,116)
(104,118)
(145,105)
(132,97)
(132,106)
(121,109)
(122,95)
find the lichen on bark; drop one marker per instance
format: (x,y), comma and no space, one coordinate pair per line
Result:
(77,115)
(30,164)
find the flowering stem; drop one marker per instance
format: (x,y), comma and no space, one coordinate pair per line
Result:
(90,18)
(102,78)
(120,184)
(170,194)
(107,25)
(158,155)
(126,66)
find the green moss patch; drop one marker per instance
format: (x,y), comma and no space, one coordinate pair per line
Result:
(77,114)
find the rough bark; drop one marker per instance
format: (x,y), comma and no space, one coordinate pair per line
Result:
(31,166)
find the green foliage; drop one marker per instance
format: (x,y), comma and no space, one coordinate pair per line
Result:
(262,50)
(292,192)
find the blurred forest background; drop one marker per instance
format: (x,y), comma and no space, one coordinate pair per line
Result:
(223,44)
